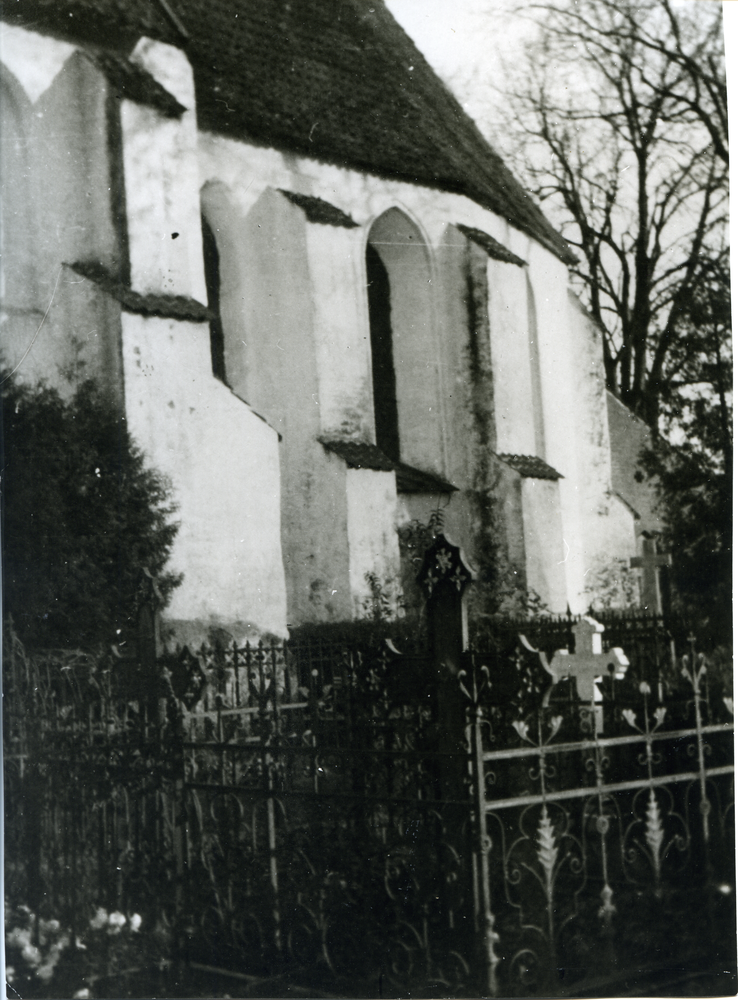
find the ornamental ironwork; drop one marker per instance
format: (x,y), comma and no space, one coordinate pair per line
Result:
(444,568)
(296,811)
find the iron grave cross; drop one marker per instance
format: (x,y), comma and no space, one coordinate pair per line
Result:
(650,561)
(587,663)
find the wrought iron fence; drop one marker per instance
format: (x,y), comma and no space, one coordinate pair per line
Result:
(348,814)
(603,851)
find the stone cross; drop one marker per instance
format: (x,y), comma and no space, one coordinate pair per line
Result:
(587,664)
(650,561)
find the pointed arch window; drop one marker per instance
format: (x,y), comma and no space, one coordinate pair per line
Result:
(384,382)
(211,261)
(404,367)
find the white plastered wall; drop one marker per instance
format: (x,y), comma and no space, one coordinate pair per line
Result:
(562,422)
(511,348)
(341,333)
(162,181)
(223,463)
(221,458)
(543,543)
(373,543)
(340,326)
(608,525)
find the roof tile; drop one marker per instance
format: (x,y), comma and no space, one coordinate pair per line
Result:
(362,455)
(167,306)
(319,211)
(530,467)
(490,245)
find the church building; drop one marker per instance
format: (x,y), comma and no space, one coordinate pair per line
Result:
(324,305)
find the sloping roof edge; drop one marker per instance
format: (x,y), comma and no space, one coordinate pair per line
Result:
(363,455)
(135,83)
(530,467)
(492,247)
(178,307)
(319,211)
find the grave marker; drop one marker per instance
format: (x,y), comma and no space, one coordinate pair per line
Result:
(587,664)
(650,562)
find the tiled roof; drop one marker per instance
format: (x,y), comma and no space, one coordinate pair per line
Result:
(167,306)
(411,480)
(317,210)
(361,455)
(490,245)
(135,83)
(530,467)
(335,80)
(358,454)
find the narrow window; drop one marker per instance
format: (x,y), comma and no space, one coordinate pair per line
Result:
(211,259)
(383,367)
(535,372)
(404,358)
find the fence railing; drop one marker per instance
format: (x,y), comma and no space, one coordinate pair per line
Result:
(601,849)
(348,814)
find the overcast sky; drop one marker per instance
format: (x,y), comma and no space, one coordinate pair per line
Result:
(465,41)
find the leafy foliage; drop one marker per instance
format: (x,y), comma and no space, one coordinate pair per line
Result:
(82,515)
(611,585)
(694,473)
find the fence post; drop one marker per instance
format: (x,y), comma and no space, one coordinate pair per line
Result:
(488,937)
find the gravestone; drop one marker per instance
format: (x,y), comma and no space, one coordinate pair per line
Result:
(652,563)
(587,664)
(444,577)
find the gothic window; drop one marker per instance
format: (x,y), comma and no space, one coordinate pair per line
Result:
(404,354)
(383,365)
(211,260)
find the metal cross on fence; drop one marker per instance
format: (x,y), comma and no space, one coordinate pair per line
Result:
(651,562)
(587,664)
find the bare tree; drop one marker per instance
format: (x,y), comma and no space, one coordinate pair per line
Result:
(621,126)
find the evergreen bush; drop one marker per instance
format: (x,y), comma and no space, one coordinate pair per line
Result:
(82,515)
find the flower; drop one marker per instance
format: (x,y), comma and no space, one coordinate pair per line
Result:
(81,994)
(46,971)
(100,919)
(20,936)
(116,921)
(9,973)
(135,922)
(31,954)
